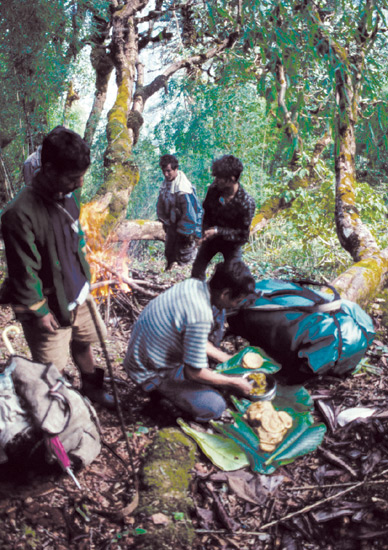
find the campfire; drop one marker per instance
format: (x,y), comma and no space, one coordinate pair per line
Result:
(109,267)
(112,280)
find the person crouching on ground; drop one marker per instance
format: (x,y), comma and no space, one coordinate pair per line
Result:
(179,211)
(47,268)
(228,213)
(168,348)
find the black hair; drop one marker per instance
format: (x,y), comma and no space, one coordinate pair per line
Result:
(226,167)
(65,150)
(165,160)
(234,276)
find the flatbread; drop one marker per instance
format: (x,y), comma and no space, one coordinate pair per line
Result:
(270,425)
(252,360)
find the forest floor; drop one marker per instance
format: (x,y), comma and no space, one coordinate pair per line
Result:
(333,498)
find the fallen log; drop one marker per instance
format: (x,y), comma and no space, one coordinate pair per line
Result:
(137,230)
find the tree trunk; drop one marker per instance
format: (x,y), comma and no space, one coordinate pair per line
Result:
(125,118)
(121,172)
(103,65)
(363,279)
(353,235)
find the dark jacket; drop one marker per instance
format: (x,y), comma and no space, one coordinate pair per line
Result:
(34,270)
(232,219)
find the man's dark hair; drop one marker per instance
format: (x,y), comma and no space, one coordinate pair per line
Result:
(226,167)
(165,160)
(234,276)
(65,150)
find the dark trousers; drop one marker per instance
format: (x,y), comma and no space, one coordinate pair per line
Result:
(178,248)
(207,251)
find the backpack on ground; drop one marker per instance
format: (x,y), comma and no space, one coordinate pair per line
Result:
(308,332)
(35,398)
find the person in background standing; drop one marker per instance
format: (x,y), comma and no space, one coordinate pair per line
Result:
(32,165)
(179,211)
(228,213)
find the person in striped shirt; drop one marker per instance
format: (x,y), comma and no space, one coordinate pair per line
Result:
(169,347)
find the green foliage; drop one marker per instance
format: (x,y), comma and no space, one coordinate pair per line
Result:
(225,453)
(95,175)
(208,121)
(142,203)
(39,46)
(283,251)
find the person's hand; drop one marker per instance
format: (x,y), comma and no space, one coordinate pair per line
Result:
(209,233)
(242,385)
(47,323)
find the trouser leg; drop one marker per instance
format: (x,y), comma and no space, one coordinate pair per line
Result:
(170,245)
(206,252)
(201,402)
(231,252)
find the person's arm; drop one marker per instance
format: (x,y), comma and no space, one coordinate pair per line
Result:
(208,204)
(217,354)
(162,215)
(213,378)
(24,263)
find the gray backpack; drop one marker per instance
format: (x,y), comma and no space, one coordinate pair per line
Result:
(35,397)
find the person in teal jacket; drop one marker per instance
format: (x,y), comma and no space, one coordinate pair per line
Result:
(48,274)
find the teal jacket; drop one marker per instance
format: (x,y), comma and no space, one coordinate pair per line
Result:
(34,272)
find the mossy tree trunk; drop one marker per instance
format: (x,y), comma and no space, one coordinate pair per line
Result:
(121,172)
(363,279)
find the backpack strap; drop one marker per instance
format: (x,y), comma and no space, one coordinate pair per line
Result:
(319,303)
(329,307)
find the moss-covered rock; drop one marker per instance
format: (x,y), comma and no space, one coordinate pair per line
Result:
(165,482)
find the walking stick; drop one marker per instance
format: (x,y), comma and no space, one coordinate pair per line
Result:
(114,388)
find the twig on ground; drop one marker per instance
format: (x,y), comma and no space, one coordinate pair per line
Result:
(319,502)
(334,485)
(337,461)
(127,280)
(298,512)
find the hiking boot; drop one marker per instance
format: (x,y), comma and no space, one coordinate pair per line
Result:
(93,388)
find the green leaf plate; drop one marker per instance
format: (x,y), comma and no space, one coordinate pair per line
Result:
(233,365)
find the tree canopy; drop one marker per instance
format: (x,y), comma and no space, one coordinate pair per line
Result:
(296,88)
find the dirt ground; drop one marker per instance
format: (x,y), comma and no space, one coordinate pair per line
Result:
(335,497)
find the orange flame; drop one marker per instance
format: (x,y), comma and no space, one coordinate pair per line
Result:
(105,262)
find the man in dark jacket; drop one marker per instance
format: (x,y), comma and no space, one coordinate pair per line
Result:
(179,211)
(228,213)
(47,269)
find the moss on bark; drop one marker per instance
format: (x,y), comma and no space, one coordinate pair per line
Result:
(165,478)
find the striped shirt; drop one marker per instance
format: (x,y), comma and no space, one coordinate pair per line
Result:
(172,330)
